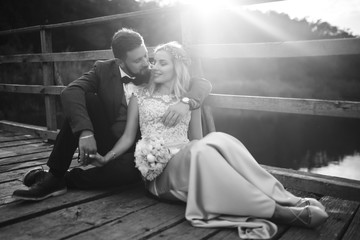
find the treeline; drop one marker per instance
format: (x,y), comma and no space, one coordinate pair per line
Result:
(222,26)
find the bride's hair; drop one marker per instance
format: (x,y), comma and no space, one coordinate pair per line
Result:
(181,61)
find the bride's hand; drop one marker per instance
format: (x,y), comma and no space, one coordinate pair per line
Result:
(174,114)
(97,160)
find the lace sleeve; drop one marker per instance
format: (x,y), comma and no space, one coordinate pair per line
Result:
(139,93)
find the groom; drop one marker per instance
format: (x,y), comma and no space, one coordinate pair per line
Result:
(95,107)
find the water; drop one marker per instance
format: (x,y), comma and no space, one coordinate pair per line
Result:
(347,167)
(324,145)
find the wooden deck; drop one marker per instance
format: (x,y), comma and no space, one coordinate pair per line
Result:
(126,213)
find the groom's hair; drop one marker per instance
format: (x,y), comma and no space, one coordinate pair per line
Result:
(124,41)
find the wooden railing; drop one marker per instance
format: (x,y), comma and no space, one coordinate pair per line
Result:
(252,50)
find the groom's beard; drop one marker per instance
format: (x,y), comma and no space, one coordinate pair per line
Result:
(142,77)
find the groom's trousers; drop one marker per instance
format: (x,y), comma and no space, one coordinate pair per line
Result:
(120,171)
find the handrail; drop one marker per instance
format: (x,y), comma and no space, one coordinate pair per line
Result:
(89,21)
(31,89)
(309,48)
(97,20)
(334,108)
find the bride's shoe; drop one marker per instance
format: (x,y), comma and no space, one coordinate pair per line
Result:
(303,202)
(309,216)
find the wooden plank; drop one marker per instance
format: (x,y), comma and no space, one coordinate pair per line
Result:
(23,210)
(340,214)
(4,201)
(22,166)
(31,89)
(29,157)
(185,231)
(11,138)
(29,129)
(141,13)
(327,47)
(312,48)
(232,234)
(91,21)
(62,57)
(272,104)
(353,231)
(228,234)
(16,171)
(317,183)
(20,143)
(17,174)
(21,88)
(9,134)
(140,224)
(58,57)
(332,108)
(80,218)
(15,177)
(8,188)
(15,151)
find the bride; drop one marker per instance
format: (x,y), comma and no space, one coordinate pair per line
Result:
(217,177)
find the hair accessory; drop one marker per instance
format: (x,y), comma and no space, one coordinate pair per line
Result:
(175,50)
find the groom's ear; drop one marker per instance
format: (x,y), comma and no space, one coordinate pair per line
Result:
(119,62)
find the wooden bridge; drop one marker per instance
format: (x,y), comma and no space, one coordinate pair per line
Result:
(129,213)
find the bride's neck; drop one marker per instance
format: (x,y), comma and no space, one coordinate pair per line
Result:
(163,89)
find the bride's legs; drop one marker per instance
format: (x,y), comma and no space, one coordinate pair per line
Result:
(241,160)
(309,216)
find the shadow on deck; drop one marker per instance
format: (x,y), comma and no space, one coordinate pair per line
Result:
(126,213)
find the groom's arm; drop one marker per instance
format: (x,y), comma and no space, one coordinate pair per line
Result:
(199,89)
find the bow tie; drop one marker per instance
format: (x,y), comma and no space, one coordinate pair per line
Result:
(126,79)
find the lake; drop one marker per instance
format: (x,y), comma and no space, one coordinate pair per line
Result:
(325,145)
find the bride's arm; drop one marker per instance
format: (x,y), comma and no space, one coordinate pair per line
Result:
(128,137)
(195,127)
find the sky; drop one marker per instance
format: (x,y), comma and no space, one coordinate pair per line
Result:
(345,14)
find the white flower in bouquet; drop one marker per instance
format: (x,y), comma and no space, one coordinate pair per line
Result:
(151,156)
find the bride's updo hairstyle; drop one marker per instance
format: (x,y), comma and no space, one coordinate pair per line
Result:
(181,61)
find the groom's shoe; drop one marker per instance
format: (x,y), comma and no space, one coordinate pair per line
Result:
(48,186)
(34,176)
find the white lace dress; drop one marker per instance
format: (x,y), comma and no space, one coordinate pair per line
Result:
(151,109)
(216,176)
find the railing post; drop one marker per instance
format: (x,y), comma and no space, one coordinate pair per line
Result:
(196,70)
(48,79)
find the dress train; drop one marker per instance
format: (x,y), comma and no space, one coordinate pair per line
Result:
(222,184)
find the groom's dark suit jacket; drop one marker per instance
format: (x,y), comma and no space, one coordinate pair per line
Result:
(104,79)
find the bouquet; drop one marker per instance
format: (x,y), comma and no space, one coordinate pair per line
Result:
(151,156)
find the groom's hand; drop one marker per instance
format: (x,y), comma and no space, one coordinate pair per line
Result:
(87,146)
(175,113)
